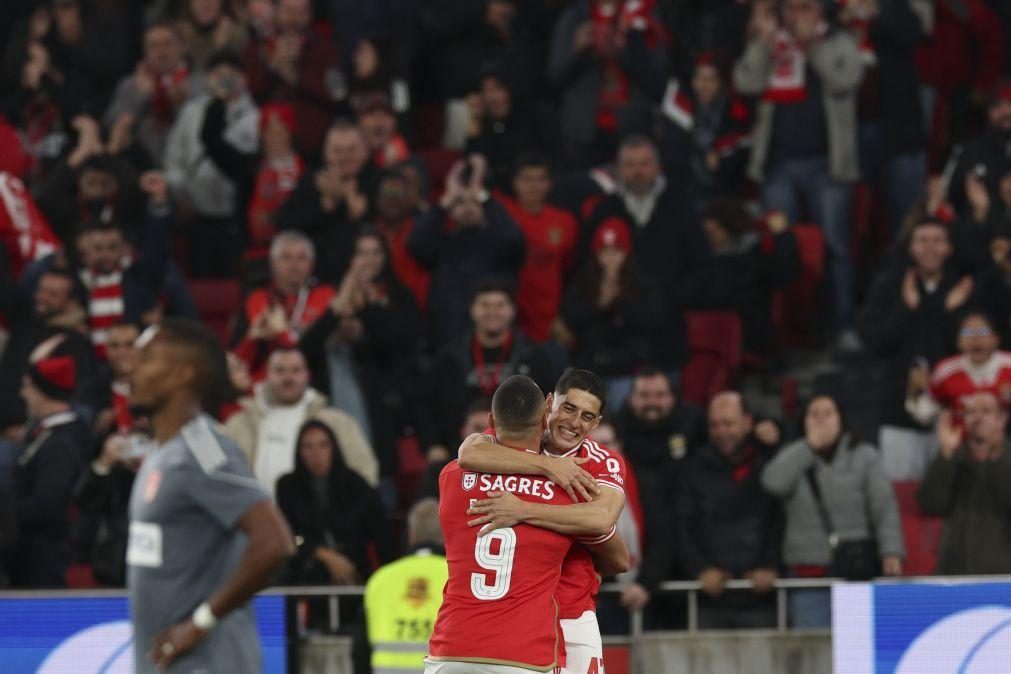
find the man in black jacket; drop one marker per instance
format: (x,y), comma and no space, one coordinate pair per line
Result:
(728,526)
(989,154)
(466,238)
(908,321)
(657,430)
(665,235)
(329,204)
(472,366)
(51,455)
(53,308)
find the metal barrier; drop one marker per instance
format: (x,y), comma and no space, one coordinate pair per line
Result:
(644,647)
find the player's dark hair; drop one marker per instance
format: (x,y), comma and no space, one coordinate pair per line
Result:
(517,406)
(583,380)
(204,348)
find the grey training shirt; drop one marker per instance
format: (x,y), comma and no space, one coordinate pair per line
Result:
(185,543)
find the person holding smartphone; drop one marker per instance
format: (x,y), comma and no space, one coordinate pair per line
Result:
(204,194)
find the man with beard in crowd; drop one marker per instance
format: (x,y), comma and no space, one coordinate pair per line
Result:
(657,430)
(53,309)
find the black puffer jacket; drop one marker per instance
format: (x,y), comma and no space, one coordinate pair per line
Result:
(724,517)
(350,519)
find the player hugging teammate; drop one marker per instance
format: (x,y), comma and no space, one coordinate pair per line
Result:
(533,568)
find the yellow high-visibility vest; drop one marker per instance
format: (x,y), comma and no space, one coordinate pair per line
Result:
(402,600)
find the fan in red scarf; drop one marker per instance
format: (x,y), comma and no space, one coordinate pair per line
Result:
(610,20)
(857,16)
(275,317)
(708,90)
(279,173)
(378,123)
(788,79)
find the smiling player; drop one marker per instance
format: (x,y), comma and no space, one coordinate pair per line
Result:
(575,410)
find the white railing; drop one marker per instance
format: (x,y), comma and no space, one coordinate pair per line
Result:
(633,640)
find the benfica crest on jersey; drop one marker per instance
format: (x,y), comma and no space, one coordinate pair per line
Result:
(469,481)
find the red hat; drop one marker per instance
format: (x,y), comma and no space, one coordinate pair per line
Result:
(285,113)
(55,376)
(613,232)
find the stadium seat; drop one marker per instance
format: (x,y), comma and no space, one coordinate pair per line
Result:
(922,533)
(437,163)
(794,309)
(218,302)
(80,577)
(714,354)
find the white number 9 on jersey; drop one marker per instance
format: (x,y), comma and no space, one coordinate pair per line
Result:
(500,562)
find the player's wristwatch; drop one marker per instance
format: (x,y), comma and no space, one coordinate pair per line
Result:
(203,618)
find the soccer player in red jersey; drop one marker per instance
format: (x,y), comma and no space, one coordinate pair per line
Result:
(574,410)
(499,614)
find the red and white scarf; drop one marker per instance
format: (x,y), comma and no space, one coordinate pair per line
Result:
(106,306)
(163,106)
(860,27)
(788,80)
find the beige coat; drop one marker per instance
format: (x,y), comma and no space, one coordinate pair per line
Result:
(244,428)
(837,60)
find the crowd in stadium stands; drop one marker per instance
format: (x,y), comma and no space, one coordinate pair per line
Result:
(386,208)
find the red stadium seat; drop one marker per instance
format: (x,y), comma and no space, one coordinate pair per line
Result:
(80,577)
(922,533)
(218,302)
(794,309)
(714,354)
(437,163)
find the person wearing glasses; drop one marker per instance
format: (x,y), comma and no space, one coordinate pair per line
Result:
(978,367)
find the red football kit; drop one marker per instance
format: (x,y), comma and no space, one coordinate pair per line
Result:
(956,378)
(498,604)
(578,587)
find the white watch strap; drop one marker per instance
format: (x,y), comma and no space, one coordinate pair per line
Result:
(203,618)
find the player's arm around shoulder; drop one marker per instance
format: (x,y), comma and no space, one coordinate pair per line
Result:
(594,518)
(610,555)
(479,452)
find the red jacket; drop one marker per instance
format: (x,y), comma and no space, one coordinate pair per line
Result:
(551,238)
(302,309)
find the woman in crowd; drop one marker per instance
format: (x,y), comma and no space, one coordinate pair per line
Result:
(829,465)
(360,348)
(374,71)
(334,512)
(610,312)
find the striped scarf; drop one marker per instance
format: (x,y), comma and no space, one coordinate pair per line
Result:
(105,304)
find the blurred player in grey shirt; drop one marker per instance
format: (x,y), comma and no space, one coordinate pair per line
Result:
(204,535)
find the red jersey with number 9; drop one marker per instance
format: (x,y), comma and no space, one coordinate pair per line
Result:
(498,605)
(578,587)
